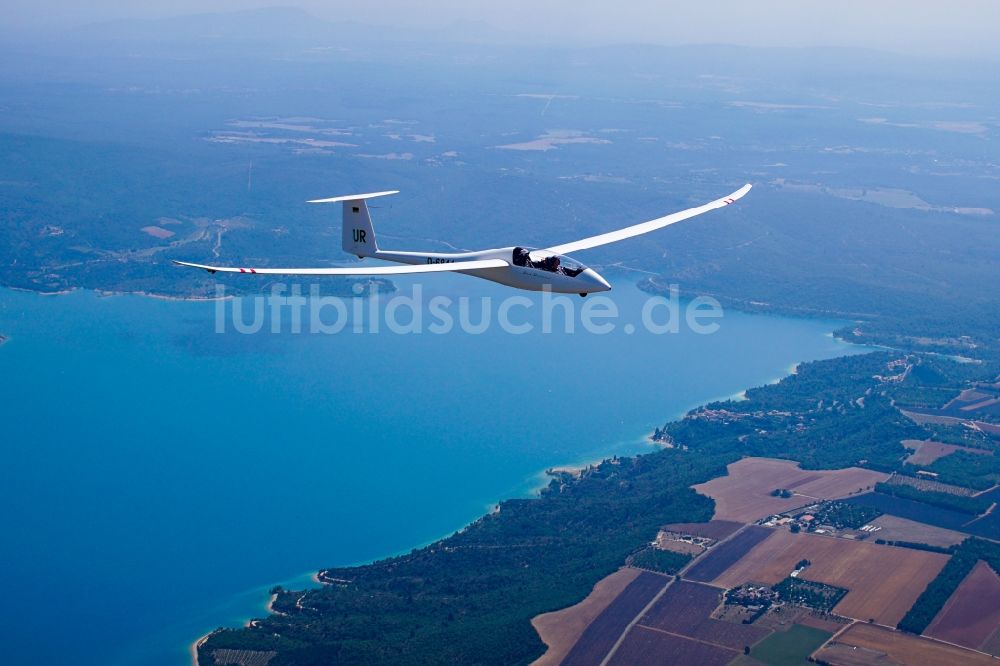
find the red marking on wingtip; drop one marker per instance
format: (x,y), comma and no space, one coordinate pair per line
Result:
(253,271)
(242,271)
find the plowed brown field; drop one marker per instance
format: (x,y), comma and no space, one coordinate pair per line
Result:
(744,494)
(882,581)
(972,613)
(899,648)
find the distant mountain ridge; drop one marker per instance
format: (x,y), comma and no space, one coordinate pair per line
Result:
(280,25)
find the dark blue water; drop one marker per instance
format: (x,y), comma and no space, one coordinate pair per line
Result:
(159,477)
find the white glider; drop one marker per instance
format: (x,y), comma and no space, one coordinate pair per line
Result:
(520,267)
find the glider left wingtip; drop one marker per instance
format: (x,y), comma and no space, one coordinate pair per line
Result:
(190,265)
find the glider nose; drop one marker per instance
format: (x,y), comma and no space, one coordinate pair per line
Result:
(594,281)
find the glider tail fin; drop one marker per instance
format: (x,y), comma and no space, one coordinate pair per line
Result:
(358,234)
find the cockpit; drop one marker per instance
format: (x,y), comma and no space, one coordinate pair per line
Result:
(547,261)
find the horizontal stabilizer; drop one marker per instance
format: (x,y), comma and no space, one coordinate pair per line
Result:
(354,197)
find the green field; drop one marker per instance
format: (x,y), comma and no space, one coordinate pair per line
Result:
(789,648)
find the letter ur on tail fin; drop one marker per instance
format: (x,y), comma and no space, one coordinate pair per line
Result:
(358,233)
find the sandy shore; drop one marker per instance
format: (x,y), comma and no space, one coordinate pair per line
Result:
(545,478)
(574,470)
(658,443)
(43,293)
(197,644)
(105,293)
(162,297)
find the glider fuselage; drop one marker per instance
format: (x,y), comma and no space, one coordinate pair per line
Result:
(533,270)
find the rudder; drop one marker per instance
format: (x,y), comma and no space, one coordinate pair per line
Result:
(358,235)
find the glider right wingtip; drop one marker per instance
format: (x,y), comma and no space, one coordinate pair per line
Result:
(737,195)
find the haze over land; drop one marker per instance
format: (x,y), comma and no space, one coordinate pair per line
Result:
(920,28)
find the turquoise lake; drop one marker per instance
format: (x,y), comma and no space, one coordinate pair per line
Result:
(159,477)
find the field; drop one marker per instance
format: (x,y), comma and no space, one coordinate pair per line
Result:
(789,648)
(561,629)
(986,526)
(882,581)
(744,494)
(972,614)
(826,623)
(923,418)
(869,644)
(927,452)
(971,400)
(684,610)
(724,555)
(713,529)
(930,485)
(682,547)
(649,646)
(918,511)
(601,634)
(992,644)
(895,528)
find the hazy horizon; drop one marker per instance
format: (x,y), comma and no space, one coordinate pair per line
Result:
(959,29)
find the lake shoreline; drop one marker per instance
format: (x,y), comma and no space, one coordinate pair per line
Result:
(147,334)
(574,470)
(107,293)
(162,296)
(197,643)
